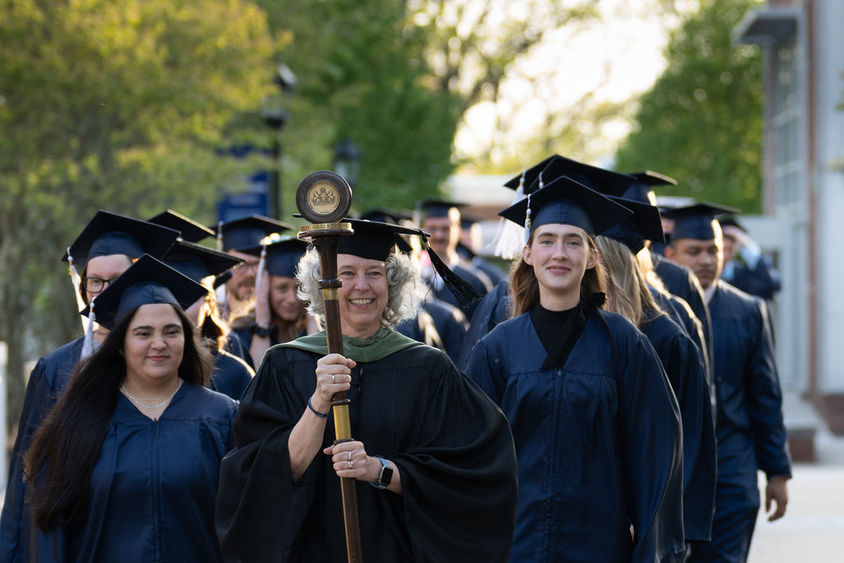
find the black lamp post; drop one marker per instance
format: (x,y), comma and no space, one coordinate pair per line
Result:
(347,159)
(275,116)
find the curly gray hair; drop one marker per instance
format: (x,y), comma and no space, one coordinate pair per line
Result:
(403,287)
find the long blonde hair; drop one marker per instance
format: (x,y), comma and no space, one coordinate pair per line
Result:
(627,290)
(524,287)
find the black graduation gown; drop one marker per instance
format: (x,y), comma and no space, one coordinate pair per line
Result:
(451,444)
(46,383)
(750,429)
(231,375)
(684,367)
(153,487)
(598,442)
(438,324)
(493,309)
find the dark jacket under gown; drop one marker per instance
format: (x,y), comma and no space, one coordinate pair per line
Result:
(452,446)
(598,442)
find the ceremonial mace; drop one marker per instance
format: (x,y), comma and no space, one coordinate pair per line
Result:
(323,198)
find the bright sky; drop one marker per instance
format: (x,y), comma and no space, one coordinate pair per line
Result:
(615,59)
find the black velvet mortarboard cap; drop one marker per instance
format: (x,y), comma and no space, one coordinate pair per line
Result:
(190,229)
(567,202)
(377,240)
(247,232)
(147,281)
(198,262)
(599,179)
(697,221)
(642,189)
(110,233)
(282,256)
(644,224)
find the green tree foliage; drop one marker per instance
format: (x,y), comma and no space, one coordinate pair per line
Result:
(702,121)
(115,105)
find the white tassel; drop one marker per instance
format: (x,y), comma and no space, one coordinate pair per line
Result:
(509,236)
(262,265)
(88,342)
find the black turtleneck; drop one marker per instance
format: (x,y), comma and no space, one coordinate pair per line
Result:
(549,323)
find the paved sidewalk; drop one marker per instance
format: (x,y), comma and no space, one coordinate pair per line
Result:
(813,528)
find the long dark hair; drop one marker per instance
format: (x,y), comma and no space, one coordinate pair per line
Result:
(67,445)
(524,286)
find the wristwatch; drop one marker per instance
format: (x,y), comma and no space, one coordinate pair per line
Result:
(264,331)
(385,476)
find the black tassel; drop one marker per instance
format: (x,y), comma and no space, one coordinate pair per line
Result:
(464,292)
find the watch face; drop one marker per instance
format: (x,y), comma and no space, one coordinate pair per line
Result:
(386,475)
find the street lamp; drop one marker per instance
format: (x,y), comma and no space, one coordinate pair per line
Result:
(347,158)
(276,116)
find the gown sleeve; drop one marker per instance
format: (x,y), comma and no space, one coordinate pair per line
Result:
(259,508)
(652,453)
(459,479)
(765,402)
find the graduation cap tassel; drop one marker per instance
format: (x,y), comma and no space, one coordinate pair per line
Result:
(220,236)
(462,291)
(508,238)
(527,217)
(88,341)
(262,266)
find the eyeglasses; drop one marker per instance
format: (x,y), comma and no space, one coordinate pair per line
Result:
(95,285)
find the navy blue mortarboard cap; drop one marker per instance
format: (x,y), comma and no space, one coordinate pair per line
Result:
(247,232)
(190,229)
(644,224)
(599,179)
(642,189)
(528,176)
(282,256)
(567,202)
(198,262)
(109,233)
(146,282)
(436,207)
(697,221)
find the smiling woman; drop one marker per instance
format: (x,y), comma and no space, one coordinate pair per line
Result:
(135,418)
(435,450)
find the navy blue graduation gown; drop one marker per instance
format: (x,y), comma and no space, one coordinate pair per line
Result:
(493,309)
(46,383)
(495,274)
(598,442)
(682,314)
(680,281)
(234,346)
(438,324)
(472,276)
(231,375)
(451,444)
(750,429)
(154,485)
(684,367)
(762,280)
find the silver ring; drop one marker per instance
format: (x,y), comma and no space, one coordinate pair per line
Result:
(332,379)
(351,464)
(350,456)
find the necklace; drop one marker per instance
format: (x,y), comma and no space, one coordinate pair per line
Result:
(147,403)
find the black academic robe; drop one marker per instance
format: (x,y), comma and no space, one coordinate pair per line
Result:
(153,487)
(750,429)
(451,444)
(46,383)
(437,324)
(680,281)
(684,367)
(231,375)
(598,441)
(493,309)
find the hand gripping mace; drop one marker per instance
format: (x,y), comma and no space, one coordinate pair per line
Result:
(323,198)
